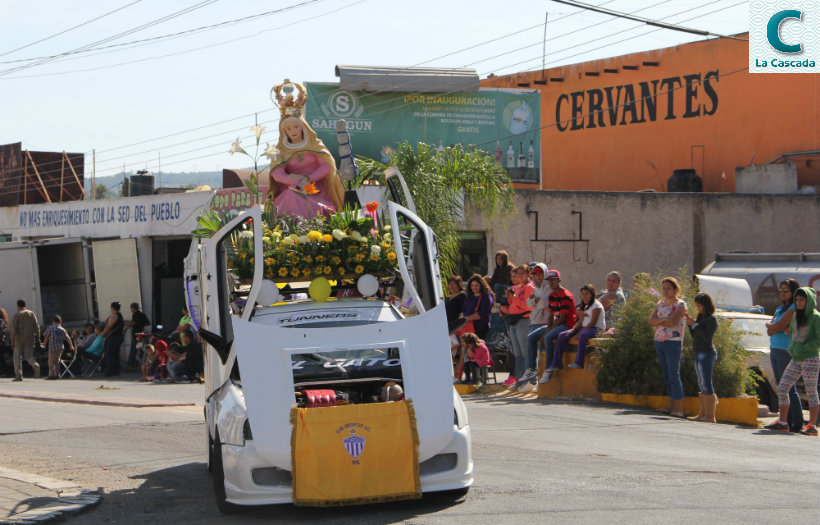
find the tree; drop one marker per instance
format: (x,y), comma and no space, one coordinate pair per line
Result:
(100,191)
(443,184)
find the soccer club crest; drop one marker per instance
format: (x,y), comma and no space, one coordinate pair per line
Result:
(354,445)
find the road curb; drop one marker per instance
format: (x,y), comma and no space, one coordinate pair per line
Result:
(69,499)
(112,402)
(741,410)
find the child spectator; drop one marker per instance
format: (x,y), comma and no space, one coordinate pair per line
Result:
(590,321)
(148,364)
(703,330)
(477,356)
(55,338)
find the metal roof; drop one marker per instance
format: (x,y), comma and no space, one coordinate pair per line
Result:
(415,79)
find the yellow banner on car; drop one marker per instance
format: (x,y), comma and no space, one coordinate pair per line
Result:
(354,454)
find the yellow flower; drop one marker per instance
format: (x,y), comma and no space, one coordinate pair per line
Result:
(341,270)
(386,245)
(327,237)
(336,261)
(318,270)
(308,259)
(374,257)
(359,268)
(269,273)
(270,261)
(295,272)
(327,270)
(283,271)
(306,272)
(359,257)
(391,256)
(320,258)
(314,236)
(251,260)
(243,256)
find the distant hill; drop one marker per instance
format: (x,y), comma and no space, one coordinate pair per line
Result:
(165,180)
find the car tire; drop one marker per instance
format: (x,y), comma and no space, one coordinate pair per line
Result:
(218,475)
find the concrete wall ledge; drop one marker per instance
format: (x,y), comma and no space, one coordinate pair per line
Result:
(740,410)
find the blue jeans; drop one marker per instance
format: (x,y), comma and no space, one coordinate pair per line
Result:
(669,353)
(539,332)
(518,338)
(534,341)
(780,359)
(704,368)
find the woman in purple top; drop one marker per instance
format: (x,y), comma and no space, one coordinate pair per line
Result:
(477,305)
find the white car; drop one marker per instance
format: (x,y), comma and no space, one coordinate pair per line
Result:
(262,361)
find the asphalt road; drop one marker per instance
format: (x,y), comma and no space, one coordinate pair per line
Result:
(535,462)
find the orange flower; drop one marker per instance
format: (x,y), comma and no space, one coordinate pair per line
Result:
(310,189)
(372,206)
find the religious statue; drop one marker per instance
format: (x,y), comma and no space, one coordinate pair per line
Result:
(303,177)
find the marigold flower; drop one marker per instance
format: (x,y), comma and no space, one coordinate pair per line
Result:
(327,270)
(269,273)
(341,270)
(371,206)
(318,270)
(327,237)
(306,272)
(336,261)
(314,236)
(320,258)
(391,256)
(283,271)
(359,268)
(359,257)
(295,272)
(374,257)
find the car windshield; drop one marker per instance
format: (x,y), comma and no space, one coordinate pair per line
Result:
(754,332)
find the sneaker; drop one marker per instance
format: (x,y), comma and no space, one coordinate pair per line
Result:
(809,430)
(528,374)
(551,369)
(573,365)
(17,379)
(527,388)
(546,377)
(510,381)
(777,425)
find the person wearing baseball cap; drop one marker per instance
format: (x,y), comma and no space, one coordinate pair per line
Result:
(561,316)
(538,301)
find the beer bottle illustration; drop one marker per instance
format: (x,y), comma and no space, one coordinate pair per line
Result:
(510,156)
(531,157)
(522,160)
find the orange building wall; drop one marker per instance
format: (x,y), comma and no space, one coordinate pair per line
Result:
(758,118)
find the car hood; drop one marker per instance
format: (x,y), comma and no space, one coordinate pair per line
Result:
(264,352)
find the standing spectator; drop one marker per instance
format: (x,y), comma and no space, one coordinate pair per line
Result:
(454,303)
(137,323)
(539,316)
(703,330)
(518,314)
(612,297)
(779,340)
(113,334)
(804,349)
(668,320)
(589,323)
(561,317)
(477,353)
(25,332)
(502,276)
(4,339)
(55,337)
(477,305)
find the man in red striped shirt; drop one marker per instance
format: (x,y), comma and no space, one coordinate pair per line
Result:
(561,315)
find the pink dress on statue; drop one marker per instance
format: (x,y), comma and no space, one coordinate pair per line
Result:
(288,201)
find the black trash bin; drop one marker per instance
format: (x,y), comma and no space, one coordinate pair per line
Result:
(684,181)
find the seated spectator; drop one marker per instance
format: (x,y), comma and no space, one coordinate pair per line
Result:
(591,320)
(186,361)
(612,297)
(476,356)
(643,282)
(95,349)
(454,302)
(55,338)
(148,364)
(478,303)
(87,338)
(561,317)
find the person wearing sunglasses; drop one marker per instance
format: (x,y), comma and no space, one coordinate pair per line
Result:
(779,340)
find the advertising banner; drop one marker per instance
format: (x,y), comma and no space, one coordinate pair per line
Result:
(504,124)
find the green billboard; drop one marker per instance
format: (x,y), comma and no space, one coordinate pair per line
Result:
(504,124)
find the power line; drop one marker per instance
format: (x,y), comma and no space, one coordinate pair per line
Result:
(170,35)
(67,30)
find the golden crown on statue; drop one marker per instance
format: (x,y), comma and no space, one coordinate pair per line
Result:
(289,106)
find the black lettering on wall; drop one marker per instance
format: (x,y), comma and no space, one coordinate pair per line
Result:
(577,109)
(691,89)
(710,91)
(596,99)
(629,105)
(612,105)
(668,85)
(649,101)
(559,123)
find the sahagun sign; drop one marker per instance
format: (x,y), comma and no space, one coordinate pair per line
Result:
(504,124)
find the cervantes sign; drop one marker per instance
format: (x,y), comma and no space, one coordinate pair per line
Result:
(504,124)
(638,103)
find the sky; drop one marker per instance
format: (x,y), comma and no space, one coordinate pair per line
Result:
(159,85)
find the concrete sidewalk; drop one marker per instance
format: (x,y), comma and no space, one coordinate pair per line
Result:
(30,498)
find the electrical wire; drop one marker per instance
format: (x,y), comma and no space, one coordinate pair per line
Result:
(66,31)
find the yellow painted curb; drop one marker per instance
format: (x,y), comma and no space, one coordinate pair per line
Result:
(741,410)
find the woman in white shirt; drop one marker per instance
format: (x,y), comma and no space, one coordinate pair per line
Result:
(591,320)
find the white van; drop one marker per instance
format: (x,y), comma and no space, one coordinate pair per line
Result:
(263,361)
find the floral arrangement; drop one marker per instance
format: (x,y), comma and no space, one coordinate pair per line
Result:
(343,245)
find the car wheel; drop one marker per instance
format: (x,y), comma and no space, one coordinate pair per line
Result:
(218,474)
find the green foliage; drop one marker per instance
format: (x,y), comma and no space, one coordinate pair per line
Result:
(101,191)
(627,363)
(442,183)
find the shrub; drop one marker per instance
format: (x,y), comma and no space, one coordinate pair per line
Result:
(627,363)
